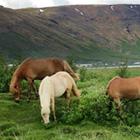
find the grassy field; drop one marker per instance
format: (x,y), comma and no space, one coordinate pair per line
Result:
(87,120)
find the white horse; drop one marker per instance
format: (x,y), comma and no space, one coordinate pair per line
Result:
(55,86)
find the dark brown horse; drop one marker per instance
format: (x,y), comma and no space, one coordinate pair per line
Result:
(36,69)
(119,88)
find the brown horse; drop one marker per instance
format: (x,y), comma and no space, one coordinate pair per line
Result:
(119,88)
(36,69)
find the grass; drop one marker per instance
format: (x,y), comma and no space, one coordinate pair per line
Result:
(22,121)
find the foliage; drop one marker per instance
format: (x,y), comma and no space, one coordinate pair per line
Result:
(89,118)
(72,61)
(6,72)
(83,72)
(122,71)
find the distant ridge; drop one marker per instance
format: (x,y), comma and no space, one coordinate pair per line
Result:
(89,33)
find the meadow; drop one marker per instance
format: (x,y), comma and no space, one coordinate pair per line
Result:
(89,119)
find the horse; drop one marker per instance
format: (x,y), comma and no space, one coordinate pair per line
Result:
(119,88)
(36,69)
(55,86)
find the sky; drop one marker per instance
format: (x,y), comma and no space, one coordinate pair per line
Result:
(16,4)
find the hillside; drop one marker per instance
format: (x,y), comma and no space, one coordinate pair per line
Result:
(95,33)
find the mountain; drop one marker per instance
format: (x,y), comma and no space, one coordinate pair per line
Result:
(88,33)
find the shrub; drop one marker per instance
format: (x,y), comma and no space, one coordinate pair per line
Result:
(94,104)
(123,69)
(83,72)
(6,73)
(71,60)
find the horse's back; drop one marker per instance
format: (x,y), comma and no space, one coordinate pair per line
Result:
(62,75)
(124,87)
(39,68)
(62,81)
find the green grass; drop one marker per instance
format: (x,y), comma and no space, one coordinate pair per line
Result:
(22,121)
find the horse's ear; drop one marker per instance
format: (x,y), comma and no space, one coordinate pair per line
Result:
(15,86)
(77,75)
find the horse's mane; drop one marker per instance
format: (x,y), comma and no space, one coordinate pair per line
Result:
(107,87)
(21,65)
(45,91)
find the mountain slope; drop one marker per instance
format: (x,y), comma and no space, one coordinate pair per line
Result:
(88,33)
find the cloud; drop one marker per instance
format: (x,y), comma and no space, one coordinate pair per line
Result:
(3,3)
(62,2)
(16,3)
(85,1)
(46,3)
(104,1)
(42,3)
(120,1)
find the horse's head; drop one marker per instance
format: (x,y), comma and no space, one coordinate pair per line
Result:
(45,115)
(15,90)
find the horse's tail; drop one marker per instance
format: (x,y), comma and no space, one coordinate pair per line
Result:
(75,90)
(108,85)
(68,69)
(107,89)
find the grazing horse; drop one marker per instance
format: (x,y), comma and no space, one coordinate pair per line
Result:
(55,86)
(36,69)
(119,88)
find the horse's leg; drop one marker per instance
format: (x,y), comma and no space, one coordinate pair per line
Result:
(110,105)
(118,104)
(68,97)
(34,88)
(30,81)
(118,107)
(17,96)
(53,107)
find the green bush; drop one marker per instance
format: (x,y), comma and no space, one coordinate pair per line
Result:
(71,60)
(94,104)
(5,76)
(96,109)
(6,73)
(83,72)
(123,69)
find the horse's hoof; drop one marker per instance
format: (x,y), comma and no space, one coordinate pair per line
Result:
(36,98)
(37,95)
(49,125)
(17,101)
(28,100)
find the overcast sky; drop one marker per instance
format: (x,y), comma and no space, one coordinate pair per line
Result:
(47,3)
